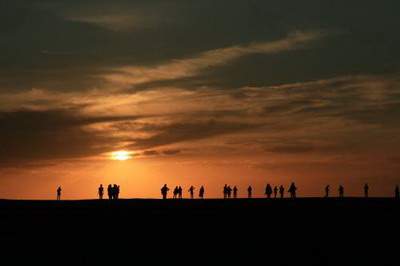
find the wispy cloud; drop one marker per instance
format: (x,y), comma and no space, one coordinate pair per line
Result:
(115,22)
(187,67)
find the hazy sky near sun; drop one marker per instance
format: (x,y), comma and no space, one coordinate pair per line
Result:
(200,92)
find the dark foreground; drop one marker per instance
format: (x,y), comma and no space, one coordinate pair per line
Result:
(271,232)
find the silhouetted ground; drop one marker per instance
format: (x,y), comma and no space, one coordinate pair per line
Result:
(306,231)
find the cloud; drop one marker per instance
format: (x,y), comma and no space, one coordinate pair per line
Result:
(321,117)
(189,131)
(53,134)
(188,67)
(168,152)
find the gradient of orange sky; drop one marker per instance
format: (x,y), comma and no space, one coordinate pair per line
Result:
(143,178)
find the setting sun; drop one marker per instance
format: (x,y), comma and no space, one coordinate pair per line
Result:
(121,155)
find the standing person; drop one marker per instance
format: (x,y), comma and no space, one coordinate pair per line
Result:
(249,192)
(366,190)
(341,191)
(292,190)
(397,192)
(101,191)
(275,191)
(268,191)
(191,191)
(229,192)
(235,191)
(175,192)
(281,191)
(327,189)
(59,193)
(117,190)
(180,192)
(109,191)
(201,192)
(114,192)
(164,191)
(225,190)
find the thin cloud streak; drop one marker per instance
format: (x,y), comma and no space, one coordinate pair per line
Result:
(188,67)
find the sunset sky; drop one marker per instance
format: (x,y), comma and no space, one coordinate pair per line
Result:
(198,92)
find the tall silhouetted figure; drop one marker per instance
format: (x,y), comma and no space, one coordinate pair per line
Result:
(225,191)
(114,192)
(191,192)
(366,190)
(341,191)
(229,191)
(164,191)
(327,189)
(249,192)
(281,191)
(268,191)
(292,190)
(180,192)
(275,191)
(117,191)
(59,193)
(109,192)
(235,191)
(397,192)
(201,192)
(175,192)
(101,191)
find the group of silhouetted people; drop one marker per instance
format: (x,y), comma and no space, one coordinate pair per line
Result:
(341,191)
(201,192)
(178,192)
(281,190)
(112,191)
(292,190)
(228,192)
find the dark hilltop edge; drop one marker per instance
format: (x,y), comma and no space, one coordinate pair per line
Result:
(302,231)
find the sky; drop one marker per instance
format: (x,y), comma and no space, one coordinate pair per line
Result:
(198,92)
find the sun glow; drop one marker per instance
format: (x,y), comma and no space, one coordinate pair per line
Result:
(121,155)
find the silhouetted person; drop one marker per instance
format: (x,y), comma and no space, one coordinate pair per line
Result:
(225,191)
(229,192)
(175,192)
(366,189)
(327,189)
(397,192)
(191,192)
(201,192)
(117,191)
(341,191)
(275,191)
(164,191)
(281,191)
(249,192)
(268,191)
(292,190)
(101,191)
(59,193)
(114,192)
(180,192)
(109,192)
(235,191)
